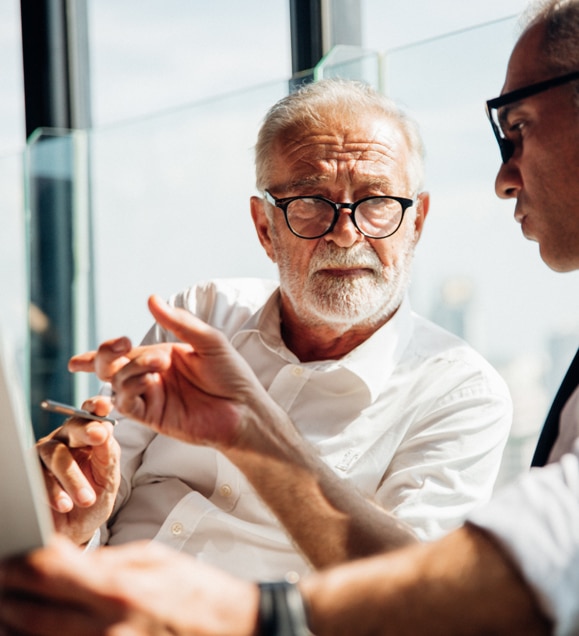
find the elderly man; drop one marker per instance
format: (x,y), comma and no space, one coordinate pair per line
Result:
(351,396)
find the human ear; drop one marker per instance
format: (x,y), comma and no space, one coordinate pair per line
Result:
(422,207)
(262,225)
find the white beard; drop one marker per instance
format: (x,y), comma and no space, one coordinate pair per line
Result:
(347,302)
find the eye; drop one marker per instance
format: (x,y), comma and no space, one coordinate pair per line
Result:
(514,122)
(516,126)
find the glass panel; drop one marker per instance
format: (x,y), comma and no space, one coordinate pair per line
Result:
(13,251)
(350,62)
(168,206)
(474,272)
(171,205)
(60,248)
(390,24)
(148,56)
(12,134)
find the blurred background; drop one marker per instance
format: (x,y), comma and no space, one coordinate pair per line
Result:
(126,167)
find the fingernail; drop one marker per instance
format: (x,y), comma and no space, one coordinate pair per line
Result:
(93,427)
(63,503)
(120,345)
(85,496)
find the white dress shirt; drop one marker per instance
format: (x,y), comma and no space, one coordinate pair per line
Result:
(413,417)
(536,520)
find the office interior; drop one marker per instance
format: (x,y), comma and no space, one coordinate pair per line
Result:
(126,169)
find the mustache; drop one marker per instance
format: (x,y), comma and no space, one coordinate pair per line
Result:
(329,255)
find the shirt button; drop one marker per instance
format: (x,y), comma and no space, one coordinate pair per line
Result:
(292,577)
(225,490)
(177,529)
(297,371)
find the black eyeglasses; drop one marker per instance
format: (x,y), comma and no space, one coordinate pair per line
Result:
(507,146)
(313,217)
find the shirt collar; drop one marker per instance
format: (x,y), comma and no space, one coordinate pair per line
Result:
(266,323)
(373,361)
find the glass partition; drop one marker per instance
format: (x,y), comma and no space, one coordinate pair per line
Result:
(61,278)
(351,62)
(171,204)
(13,258)
(12,128)
(149,56)
(155,206)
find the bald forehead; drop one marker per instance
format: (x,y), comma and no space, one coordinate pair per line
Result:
(527,63)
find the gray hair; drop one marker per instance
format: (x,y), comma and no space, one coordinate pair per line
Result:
(309,106)
(561,36)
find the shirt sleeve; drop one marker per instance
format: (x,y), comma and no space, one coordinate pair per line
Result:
(536,520)
(224,304)
(448,463)
(133,437)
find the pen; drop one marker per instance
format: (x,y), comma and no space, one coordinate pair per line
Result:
(72,411)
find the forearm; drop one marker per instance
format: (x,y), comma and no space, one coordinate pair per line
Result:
(327,518)
(462,584)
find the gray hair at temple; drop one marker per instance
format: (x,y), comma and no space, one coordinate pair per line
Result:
(561,38)
(310,105)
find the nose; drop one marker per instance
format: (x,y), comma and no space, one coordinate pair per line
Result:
(509,181)
(345,233)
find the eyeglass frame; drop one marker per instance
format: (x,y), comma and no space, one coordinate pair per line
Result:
(507,146)
(282,204)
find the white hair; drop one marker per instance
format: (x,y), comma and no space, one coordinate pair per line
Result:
(310,106)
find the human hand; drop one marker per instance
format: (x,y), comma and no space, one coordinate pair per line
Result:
(137,588)
(81,468)
(199,390)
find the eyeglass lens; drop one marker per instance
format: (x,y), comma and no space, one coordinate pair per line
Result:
(506,146)
(375,217)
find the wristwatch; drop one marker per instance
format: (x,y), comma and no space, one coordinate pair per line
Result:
(282,611)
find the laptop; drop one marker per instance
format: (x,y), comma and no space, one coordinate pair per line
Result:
(25,517)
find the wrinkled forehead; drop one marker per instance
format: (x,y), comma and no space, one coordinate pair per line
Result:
(370,142)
